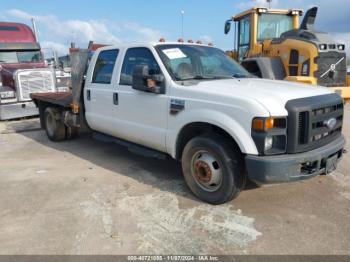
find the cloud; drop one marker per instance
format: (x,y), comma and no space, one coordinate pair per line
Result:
(58,34)
(145,33)
(20,14)
(206,39)
(59,48)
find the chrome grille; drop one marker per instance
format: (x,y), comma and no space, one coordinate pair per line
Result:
(34,81)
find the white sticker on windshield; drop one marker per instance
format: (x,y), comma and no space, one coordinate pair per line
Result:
(174,53)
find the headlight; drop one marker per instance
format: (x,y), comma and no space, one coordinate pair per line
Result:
(270,135)
(323,46)
(268,143)
(341,47)
(7,94)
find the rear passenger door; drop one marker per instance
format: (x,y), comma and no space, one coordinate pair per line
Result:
(142,116)
(98,93)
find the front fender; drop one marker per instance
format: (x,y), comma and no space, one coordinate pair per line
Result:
(219,119)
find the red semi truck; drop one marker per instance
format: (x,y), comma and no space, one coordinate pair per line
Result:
(22,71)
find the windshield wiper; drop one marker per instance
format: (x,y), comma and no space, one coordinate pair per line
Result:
(196,78)
(206,78)
(240,76)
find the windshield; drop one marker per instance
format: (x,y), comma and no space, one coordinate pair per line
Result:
(273,25)
(189,62)
(13,57)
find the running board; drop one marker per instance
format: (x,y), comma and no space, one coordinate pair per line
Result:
(132,147)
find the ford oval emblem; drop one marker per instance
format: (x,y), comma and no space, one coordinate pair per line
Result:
(330,123)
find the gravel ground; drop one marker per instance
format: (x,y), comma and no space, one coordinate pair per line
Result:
(88,197)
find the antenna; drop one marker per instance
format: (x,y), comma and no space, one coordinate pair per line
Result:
(269,1)
(182,23)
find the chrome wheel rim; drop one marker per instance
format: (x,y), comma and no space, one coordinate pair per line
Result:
(206,171)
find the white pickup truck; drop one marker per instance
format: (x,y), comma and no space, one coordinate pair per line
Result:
(193,103)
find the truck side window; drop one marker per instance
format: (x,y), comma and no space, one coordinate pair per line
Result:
(104,67)
(134,57)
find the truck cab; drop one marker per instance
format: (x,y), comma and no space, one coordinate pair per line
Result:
(193,103)
(22,71)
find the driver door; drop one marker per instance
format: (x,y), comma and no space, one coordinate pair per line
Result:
(142,117)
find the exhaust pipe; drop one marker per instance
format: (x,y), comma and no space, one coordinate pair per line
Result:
(309,19)
(35,31)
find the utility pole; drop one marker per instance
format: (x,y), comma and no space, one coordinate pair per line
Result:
(182,23)
(269,1)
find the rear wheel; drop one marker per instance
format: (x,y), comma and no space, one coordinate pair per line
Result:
(213,168)
(54,126)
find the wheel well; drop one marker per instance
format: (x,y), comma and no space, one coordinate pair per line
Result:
(196,129)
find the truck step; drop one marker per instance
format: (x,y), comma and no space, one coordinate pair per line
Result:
(133,148)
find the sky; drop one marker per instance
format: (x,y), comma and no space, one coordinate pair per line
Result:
(61,22)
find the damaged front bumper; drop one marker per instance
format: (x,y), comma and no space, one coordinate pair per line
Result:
(293,167)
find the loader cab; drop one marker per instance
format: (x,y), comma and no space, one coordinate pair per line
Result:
(257,25)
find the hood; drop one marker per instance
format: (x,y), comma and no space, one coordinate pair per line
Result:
(271,94)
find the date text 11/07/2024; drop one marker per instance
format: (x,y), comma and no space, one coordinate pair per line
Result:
(173,258)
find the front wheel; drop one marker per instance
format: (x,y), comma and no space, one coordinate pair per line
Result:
(213,168)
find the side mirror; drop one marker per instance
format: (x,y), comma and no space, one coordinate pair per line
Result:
(227,26)
(143,81)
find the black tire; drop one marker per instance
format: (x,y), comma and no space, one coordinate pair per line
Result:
(54,126)
(202,179)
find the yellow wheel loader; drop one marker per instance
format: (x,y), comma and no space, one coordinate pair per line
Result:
(270,44)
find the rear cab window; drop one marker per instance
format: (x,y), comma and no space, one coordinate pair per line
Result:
(104,66)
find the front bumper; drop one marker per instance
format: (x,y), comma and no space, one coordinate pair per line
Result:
(17,110)
(293,167)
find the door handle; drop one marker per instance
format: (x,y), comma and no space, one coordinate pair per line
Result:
(115,98)
(88,95)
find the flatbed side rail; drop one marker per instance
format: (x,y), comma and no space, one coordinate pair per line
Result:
(63,99)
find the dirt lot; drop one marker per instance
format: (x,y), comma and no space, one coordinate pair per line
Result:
(88,197)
